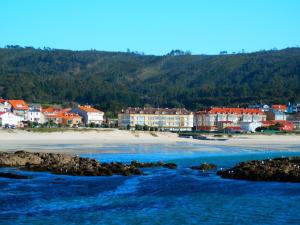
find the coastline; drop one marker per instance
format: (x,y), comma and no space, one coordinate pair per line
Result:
(12,140)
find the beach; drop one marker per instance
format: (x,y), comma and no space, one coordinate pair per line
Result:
(68,141)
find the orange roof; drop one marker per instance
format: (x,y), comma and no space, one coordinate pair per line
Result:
(2,100)
(55,115)
(216,110)
(279,107)
(71,116)
(88,108)
(18,104)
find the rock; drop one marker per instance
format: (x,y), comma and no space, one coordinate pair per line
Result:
(73,165)
(14,176)
(170,165)
(204,167)
(278,169)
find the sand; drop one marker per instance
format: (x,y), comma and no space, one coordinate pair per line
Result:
(72,141)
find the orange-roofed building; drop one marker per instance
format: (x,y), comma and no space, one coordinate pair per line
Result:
(71,119)
(19,107)
(282,108)
(211,119)
(89,114)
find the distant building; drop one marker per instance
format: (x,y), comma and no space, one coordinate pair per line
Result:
(19,107)
(277,112)
(4,106)
(89,114)
(9,119)
(279,108)
(210,120)
(35,114)
(163,119)
(71,119)
(54,115)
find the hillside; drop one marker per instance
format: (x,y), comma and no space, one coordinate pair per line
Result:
(113,80)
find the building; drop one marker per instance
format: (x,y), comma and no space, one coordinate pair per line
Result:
(162,119)
(277,112)
(281,108)
(89,114)
(71,119)
(9,119)
(4,106)
(35,114)
(54,115)
(20,108)
(210,120)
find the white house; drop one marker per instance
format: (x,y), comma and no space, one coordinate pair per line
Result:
(19,107)
(89,114)
(9,119)
(250,126)
(4,106)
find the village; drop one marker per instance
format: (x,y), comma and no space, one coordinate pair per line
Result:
(256,118)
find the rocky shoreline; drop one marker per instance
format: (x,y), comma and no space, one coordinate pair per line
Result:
(278,169)
(73,165)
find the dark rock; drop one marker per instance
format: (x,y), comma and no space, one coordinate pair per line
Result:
(278,169)
(73,165)
(14,176)
(204,167)
(170,165)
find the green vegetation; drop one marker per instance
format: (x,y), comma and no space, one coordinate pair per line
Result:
(113,80)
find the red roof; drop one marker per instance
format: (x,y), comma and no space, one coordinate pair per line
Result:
(218,110)
(279,107)
(88,108)
(2,100)
(18,104)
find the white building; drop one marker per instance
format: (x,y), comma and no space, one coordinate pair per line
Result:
(163,119)
(89,114)
(19,107)
(9,119)
(4,106)
(250,126)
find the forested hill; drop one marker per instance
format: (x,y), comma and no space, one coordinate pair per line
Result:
(113,80)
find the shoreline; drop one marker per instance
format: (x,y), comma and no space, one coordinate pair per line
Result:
(65,141)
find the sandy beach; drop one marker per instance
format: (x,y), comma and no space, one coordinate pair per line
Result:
(68,141)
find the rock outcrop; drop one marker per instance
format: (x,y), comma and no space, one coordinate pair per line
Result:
(73,165)
(278,169)
(14,176)
(204,167)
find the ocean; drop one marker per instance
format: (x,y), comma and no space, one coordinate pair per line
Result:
(163,196)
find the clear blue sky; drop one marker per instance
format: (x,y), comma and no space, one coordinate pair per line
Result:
(151,26)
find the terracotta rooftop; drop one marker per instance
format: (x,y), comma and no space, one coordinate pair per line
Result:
(279,107)
(239,111)
(162,111)
(88,108)
(18,104)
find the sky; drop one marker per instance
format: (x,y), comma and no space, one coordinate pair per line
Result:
(151,26)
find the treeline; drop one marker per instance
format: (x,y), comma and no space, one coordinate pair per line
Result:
(113,80)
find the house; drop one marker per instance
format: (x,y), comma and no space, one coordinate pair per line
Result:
(163,119)
(71,119)
(277,112)
(54,115)
(210,119)
(9,119)
(35,114)
(89,114)
(19,107)
(4,106)
(281,108)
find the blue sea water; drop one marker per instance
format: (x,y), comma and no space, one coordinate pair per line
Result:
(181,196)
